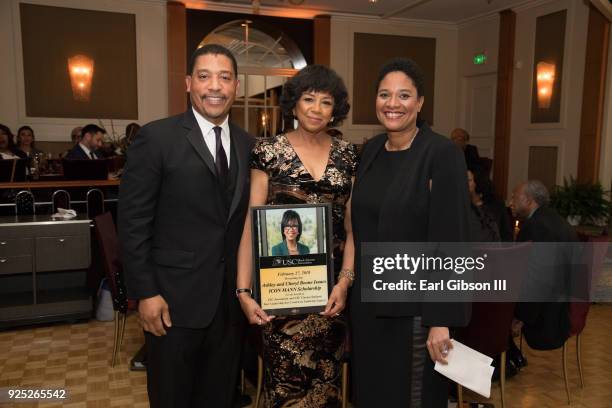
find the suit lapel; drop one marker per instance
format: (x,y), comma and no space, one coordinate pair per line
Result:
(241,148)
(195,137)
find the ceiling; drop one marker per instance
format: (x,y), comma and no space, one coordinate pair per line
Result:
(451,11)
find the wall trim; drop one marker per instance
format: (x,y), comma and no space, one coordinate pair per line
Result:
(310,14)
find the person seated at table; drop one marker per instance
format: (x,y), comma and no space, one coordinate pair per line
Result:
(546,325)
(8,150)
(91,140)
(291,231)
(26,141)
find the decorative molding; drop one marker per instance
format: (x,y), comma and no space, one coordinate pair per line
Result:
(358,18)
(529,4)
(312,13)
(604,6)
(492,15)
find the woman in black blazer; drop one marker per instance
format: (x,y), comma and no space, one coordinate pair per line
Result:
(411,186)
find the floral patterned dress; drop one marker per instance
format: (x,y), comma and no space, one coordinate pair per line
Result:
(302,354)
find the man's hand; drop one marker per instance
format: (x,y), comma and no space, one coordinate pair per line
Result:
(154,314)
(252,310)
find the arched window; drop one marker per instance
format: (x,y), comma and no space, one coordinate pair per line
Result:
(266,58)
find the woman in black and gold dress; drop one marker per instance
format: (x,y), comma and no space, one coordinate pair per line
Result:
(306,165)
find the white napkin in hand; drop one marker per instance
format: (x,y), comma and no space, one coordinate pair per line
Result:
(64,213)
(469,368)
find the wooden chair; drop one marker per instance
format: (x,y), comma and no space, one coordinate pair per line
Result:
(95,203)
(596,250)
(24,203)
(491,322)
(106,235)
(60,199)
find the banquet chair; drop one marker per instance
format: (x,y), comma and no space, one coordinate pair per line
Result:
(95,203)
(60,199)
(597,247)
(491,322)
(106,236)
(24,203)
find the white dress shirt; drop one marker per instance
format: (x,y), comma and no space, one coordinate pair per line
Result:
(209,134)
(88,152)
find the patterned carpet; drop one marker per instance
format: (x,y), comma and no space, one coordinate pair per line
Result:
(77,357)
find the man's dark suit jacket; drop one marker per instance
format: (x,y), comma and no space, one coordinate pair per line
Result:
(547,324)
(77,153)
(178,238)
(472,158)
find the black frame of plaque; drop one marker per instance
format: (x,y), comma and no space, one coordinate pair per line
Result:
(256,239)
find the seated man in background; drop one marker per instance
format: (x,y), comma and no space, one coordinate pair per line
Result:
(472,159)
(545,324)
(91,140)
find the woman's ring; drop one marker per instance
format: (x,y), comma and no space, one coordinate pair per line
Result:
(259,321)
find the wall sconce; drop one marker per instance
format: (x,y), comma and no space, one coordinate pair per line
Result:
(80,69)
(545,75)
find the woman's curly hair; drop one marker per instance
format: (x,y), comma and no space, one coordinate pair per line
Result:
(316,78)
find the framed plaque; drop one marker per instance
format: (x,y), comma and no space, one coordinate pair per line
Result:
(292,257)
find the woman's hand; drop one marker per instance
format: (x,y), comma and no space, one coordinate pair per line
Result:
(252,310)
(439,344)
(337,299)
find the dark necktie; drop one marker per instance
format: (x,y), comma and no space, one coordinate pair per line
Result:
(220,156)
(93,156)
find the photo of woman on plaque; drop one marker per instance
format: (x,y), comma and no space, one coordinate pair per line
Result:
(291,231)
(302,353)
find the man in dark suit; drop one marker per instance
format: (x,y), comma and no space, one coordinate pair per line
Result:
(472,159)
(545,324)
(91,140)
(182,205)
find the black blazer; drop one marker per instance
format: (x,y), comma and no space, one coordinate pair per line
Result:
(77,153)
(546,325)
(177,239)
(410,212)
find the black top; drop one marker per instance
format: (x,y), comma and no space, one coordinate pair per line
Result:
(385,163)
(425,200)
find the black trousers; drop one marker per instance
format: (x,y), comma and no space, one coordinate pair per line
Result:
(196,368)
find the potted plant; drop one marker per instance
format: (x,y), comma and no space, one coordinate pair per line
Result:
(582,203)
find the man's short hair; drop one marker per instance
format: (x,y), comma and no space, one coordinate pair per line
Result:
(214,49)
(537,191)
(93,129)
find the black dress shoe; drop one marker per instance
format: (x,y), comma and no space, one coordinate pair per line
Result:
(519,360)
(511,369)
(139,361)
